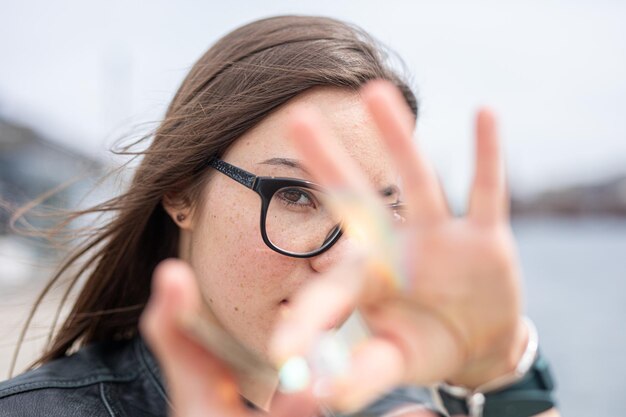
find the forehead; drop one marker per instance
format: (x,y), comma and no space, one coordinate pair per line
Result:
(346,119)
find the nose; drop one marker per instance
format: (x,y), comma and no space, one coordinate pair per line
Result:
(341,250)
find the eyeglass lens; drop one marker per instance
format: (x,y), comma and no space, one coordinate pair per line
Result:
(299,220)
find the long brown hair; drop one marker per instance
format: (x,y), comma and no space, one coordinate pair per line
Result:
(245,76)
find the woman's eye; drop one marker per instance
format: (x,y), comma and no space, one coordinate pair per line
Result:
(295,196)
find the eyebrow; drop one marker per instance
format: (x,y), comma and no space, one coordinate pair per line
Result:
(387,191)
(292,163)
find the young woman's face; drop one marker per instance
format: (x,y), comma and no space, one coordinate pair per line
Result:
(245,283)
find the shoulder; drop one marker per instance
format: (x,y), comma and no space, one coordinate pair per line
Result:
(103,379)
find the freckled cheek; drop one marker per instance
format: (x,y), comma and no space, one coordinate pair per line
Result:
(240,277)
(237,267)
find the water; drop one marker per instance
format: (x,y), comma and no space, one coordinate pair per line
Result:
(575,281)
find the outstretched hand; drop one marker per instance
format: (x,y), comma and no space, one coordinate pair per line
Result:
(458,316)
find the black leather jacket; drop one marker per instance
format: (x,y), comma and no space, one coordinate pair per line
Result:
(100,380)
(118,379)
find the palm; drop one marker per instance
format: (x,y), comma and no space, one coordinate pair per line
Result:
(464,292)
(460,309)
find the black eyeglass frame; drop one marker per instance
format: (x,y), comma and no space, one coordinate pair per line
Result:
(266,187)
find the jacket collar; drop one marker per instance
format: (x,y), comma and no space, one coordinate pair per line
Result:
(153,371)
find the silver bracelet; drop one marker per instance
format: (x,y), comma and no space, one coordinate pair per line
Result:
(475,398)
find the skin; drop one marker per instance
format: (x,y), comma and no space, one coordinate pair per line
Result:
(442,320)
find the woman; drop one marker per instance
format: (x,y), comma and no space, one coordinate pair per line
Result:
(288,97)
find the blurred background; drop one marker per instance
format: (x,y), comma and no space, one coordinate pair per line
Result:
(77,76)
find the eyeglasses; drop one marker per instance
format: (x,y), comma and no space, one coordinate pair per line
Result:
(295,217)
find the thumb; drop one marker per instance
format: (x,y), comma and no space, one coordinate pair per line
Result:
(198,383)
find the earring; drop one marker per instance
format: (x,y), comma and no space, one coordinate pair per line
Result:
(180,217)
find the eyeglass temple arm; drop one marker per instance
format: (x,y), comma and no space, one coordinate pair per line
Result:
(238,174)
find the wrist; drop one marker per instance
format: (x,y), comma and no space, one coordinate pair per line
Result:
(523,392)
(502,361)
(529,396)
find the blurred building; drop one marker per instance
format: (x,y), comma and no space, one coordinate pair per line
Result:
(605,198)
(30,166)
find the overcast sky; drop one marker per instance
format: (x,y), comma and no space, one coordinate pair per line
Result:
(84,72)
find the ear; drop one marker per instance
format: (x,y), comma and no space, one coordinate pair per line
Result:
(179,209)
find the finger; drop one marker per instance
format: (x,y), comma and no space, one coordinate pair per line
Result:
(197,382)
(364,217)
(376,367)
(394,120)
(410,347)
(327,161)
(488,200)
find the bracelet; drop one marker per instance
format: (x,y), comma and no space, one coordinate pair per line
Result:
(523,392)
